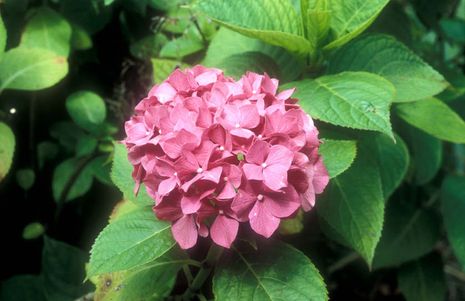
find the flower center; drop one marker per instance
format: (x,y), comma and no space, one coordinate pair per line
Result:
(221,148)
(264,164)
(175,174)
(159,131)
(260,197)
(225,179)
(199,170)
(237,125)
(260,136)
(220,212)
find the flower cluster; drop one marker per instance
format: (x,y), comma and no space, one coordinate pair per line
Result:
(214,152)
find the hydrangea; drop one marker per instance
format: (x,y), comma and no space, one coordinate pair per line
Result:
(214,152)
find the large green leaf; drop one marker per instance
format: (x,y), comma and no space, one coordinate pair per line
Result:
(121,175)
(133,240)
(408,233)
(453,206)
(2,37)
(423,279)
(91,15)
(435,118)
(73,175)
(153,281)
(352,208)
(316,17)
(276,273)
(237,65)
(63,271)
(273,21)
(48,30)
(351,18)
(381,54)
(390,157)
(31,69)
(190,42)
(24,288)
(426,153)
(338,155)
(220,48)
(87,109)
(358,100)
(162,68)
(7,148)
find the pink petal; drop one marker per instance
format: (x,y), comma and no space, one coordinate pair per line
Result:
(190,204)
(320,176)
(258,152)
(224,230)
(166,186)
(253,171)
(282,204)
(243,133)
(262,221)
(286,94)
(249,116)
(242,204)
(280,155)
(164,92)
(185,232)
(275,176)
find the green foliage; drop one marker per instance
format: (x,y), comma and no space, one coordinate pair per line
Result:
(87,109)
(46,151)
(408,233)
(31,69)
(350,18)
(273,21)
(453,206)
(162,68)
(352,207)
(47,30)
(423,279)
(135,239)
(72,178)
(448,125)
(23,287)
(338,155)
(33,231)
(279,272)
(2,37)
(238,64)
(7,148)
(356,100)
(383,55)
(25,178)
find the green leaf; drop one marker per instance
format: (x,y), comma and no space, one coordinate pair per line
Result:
(453,207)
(351,18)
(121,175)
(220,48)
(189,43)
(80,39)
(33,231)
(426,153)
(91,15)
(408,233)
(391,159)
(153,281)
(454,29)
(148,47)
(237,65)
(87,109)
(276,273)
(7,148)
(316,17)
(25,178)
(338,155)
(101,168)
(133,240)
(48,30)
(352,208)
(273,21)
(293,225)
(75,176)
(46,151)
(67,134)
(63,271)
(383,55)
(3,37)
(162,68)
(423,279)
(447,125)
(31,69)
(356,100)
(86,145)
(23,288)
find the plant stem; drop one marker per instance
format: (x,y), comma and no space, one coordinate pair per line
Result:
(341,263)
(208,264)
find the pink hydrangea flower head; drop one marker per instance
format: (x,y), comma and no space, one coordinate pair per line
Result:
(215,153)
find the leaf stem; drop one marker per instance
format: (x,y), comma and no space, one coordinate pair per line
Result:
(341,263)
(214,253)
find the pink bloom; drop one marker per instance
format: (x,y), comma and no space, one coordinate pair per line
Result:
(214,153)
